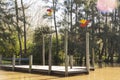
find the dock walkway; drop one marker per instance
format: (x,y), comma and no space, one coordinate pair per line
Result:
(45,69)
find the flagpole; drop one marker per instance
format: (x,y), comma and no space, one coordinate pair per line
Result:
(83,24)
(87,50)
(50,48)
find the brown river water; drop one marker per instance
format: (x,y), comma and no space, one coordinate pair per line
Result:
(105,73)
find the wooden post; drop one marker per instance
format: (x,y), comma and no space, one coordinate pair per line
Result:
(43,50)
(71,61)
(87,52)
(0,59)
(50,55)
(20,59)
(13,62)
(30,63)
(93,59)
(66,51)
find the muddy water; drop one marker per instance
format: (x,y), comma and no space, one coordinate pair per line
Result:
(106,73)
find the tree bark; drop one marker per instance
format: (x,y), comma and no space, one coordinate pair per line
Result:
(24,22)
(57,42)
(18,29)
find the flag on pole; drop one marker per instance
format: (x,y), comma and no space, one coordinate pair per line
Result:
(49,12)
(84,23)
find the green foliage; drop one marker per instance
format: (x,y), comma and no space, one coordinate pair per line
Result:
(104,33)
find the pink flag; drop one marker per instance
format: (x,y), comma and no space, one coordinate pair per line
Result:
(106,5)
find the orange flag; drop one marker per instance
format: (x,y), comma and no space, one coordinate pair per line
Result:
(84,23)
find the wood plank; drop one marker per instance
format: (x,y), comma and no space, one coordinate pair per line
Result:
(55,69)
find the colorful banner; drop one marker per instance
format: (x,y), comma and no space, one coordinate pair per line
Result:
(84,23)
(49,12)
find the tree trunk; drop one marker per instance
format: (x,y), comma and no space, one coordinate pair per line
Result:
(18,29)
(112,53)
(101,53)
(24,22)
(57,42)
(71,15)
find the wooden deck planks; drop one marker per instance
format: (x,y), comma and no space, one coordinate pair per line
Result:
(55,69)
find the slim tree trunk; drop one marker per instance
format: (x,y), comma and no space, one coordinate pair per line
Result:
(57,42)
(71,56)
(18,29)
(102,51)
(24,22)
(71,15)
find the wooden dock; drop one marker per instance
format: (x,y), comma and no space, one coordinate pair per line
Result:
(45,69)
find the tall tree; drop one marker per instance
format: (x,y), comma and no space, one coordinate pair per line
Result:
(24,23)
(54,11)
(18,30)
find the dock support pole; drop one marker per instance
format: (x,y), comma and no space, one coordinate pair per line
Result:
(66,51)
(93,59)
(43,50)
(87,53)
(0,59)
(30,63)
(50,54)
(71,61)
(13,62)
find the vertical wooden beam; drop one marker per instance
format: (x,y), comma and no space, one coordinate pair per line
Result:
(50,55)
(20,59)
(87,53)
(30,63)
(71,61)
(66,51)
(93,59)
(43,51)
(0,59)
(13,62)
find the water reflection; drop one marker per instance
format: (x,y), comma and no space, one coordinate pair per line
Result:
(110,72)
